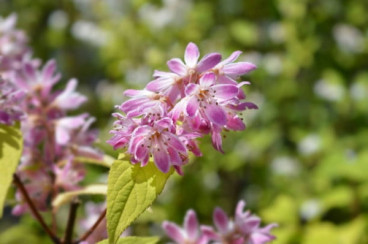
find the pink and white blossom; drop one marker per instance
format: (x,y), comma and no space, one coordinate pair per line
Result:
(199,97)
(190,233)
(10,96)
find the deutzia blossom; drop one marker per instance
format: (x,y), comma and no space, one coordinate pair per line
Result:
(10,97)
(196,98)
(189,234)
(244,229)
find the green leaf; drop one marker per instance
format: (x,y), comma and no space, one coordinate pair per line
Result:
(131,190)
(66,197)
(11,145)
(106,161)
(134,240)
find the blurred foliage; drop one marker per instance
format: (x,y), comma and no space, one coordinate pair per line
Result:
(303,160)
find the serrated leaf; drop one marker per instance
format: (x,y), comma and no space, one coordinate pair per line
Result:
(131,190)
(11,146)
(134,240)
(67,197)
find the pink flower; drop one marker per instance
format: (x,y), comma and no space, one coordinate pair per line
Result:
(38,83)
(227,71)
(13,46)
(10,98)
(66,126)
(171,85)
(160,141)
(144,102)
(206,99)
(69,175)
(69,99)
(123,129)
(200,97)
(244,229)
(191,68)
(190,234)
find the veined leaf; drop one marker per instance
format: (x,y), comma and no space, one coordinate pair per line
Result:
(131,190)
(11,146)
(67,197)
(134,240)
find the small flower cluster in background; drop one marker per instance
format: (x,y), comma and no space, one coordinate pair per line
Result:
(9,99)
(243,229)
(196,98)
(52,139)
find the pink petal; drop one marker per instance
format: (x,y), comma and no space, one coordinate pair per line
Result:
(223,79)
(8,23)
(178,170)
(174,232)
(209,232)
(239,240)
(174,142)
(207,62)
(192,106)
(141,150)
(30,72)
(48,70)
(164,123)
(65,127)
(160,84)
(193,147)
(250,224)
(158,73)
(179,108)
(215,114)
(259,238)
(231,58)
(177,66)
(221,220)
(191,55)
(162,159)
(203,240)
(191,89)
(235,123)
(191,225)
(174,157)
(237,69)
(207,80)
(132,92)
(268,228)
(240,208)
(69,99)
(224,91)
(217,140)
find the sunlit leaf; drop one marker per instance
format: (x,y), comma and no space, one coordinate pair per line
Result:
(131,190)
(11,145)
(134,240)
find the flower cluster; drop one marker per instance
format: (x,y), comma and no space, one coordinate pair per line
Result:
(52,140)
(196,98)
(9,100)
(13,46)
(243,229)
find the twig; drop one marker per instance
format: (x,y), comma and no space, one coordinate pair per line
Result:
(71,221)
(34,210)
(89,232)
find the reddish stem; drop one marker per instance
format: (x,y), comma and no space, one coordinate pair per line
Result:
(89,232)
(34,210)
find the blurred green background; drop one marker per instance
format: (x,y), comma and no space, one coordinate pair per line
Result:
(303,160)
